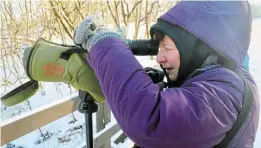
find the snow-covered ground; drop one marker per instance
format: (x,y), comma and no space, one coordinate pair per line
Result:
(63,134)
(255,69)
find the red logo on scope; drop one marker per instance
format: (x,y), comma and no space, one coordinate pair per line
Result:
(54,70)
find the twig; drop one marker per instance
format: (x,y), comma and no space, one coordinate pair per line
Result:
(60,19)
(114,18)
(78,10)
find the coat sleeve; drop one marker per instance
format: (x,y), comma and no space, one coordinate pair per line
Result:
(146,114)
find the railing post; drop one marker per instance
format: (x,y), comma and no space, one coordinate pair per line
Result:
(103,117)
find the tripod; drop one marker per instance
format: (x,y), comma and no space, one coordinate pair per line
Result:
(87,106)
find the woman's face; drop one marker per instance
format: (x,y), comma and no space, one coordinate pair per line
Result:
(169,57)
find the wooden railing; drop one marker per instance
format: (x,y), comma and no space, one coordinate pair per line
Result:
(21,125)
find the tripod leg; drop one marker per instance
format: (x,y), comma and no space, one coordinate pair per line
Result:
(88,123)
(87,106)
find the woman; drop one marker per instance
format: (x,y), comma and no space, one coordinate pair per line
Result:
(202,45)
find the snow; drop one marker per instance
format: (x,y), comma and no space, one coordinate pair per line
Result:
(255,69)
(63,134)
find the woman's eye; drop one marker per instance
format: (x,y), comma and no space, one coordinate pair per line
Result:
(168,49)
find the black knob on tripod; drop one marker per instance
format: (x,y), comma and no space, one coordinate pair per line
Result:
(87,102)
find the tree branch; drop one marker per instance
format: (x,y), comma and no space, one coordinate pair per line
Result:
(116,4)
(133,8)
(114,19)
(66,16)
(58,17)
(78,10)
(123,14)
(127,6)
(148,13)
(152,5)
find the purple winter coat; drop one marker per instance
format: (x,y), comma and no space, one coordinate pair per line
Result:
(200,112)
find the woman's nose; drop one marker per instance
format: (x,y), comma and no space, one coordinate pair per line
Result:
(161,58)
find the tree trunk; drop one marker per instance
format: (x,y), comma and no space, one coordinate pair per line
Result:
(137,22)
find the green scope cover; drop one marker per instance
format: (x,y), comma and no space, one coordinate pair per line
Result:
(51,62)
